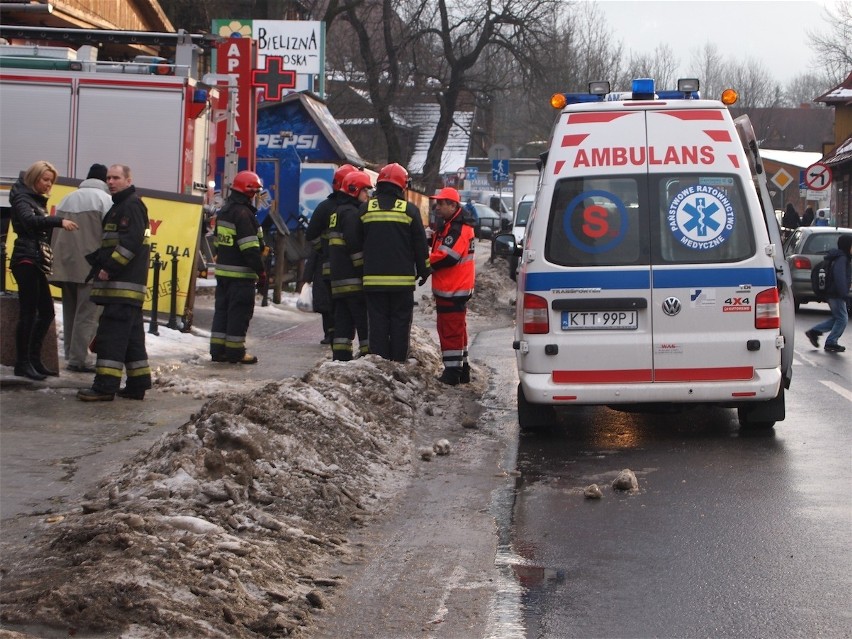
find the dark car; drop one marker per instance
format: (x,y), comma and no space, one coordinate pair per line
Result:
(805,248)
(489,223)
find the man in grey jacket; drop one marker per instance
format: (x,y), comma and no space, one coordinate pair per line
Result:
(86,206)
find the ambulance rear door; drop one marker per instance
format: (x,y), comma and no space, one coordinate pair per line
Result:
(596,252)
(708,259)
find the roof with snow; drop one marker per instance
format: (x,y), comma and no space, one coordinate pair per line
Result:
(425,117)
(841,94)
(801,159)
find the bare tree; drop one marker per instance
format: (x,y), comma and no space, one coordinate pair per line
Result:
(803,88)
(661,65)
(459,35)
(752,81)
(709,67)
(834,47)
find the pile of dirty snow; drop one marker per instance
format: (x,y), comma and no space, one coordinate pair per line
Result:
(226,527)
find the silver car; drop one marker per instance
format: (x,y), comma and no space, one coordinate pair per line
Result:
(804,249)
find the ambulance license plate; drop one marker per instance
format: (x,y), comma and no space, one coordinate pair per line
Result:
(600,320)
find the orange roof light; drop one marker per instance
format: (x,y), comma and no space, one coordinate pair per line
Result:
(558,101)
(729,97)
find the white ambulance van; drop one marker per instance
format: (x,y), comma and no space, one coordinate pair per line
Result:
(652,273)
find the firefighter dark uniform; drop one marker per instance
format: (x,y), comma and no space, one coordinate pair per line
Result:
(317,234)
(239,264)
(120,338)
(346,258)
(395,255)
(453,276)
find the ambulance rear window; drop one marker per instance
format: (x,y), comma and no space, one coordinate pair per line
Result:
(648,219)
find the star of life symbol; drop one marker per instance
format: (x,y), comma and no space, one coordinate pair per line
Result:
(701,217)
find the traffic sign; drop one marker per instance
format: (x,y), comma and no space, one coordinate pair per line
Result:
(818,177)
(461,173)
(782,179)
(499,171)
(499,152)
(472,172)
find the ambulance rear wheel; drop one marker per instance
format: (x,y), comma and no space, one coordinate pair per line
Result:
(762,415)
(532,416)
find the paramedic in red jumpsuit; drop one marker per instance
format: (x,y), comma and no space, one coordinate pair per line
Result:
(453,275)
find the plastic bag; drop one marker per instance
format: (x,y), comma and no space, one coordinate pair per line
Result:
(305,302)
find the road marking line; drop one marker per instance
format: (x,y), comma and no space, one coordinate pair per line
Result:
(837,388)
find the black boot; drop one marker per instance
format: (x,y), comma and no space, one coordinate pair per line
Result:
(25,369)
(23,366)
(464,377)
(36,340)
(450,376)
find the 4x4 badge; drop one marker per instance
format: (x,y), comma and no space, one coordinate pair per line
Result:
(671,306)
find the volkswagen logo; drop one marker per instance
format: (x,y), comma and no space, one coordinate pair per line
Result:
(671,306)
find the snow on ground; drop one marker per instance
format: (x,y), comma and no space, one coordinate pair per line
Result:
(228,526)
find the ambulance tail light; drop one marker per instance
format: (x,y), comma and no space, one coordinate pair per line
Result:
(536,314)
(767,309)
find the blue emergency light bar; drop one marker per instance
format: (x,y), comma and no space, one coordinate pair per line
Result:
(642,89)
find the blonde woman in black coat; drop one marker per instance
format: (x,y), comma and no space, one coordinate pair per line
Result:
(32,225)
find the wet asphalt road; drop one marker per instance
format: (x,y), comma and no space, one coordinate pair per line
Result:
(729,535)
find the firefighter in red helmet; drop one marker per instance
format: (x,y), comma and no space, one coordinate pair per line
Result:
(239,265)
(395,256)
(317,235)
(345,250)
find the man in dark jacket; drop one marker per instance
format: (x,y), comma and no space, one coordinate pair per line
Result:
(239,265)
(395,255)
(840,279)
(346,257)
(120,269)
(317,235)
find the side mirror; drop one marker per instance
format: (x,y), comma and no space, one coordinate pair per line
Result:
(505,245)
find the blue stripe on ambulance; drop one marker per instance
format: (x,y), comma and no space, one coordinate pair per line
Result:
(693,277)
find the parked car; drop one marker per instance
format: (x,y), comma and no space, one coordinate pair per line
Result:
(805,248)
(489,223)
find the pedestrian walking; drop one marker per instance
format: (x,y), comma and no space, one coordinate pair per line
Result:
(395,255)
(839,280)
(239,266)
(821,218)
(453,276)
(346,258)
(86,206)
(790,219)
(317,234)
(31,263)
(120,270)
(808,217)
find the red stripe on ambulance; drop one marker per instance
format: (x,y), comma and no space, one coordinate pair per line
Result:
(594,118)
(695,115)
(718,135)
(574,139)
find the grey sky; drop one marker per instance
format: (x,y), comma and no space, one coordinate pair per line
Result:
(774,32)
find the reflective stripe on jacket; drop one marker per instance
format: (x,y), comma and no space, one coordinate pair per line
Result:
(239,239)
(452,258)
(124,252)
(395,249)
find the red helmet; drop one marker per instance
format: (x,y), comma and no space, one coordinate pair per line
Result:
(247,182)
(395,174)
(339,174)
(355,182)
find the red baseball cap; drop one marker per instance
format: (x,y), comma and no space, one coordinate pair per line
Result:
(447,193)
